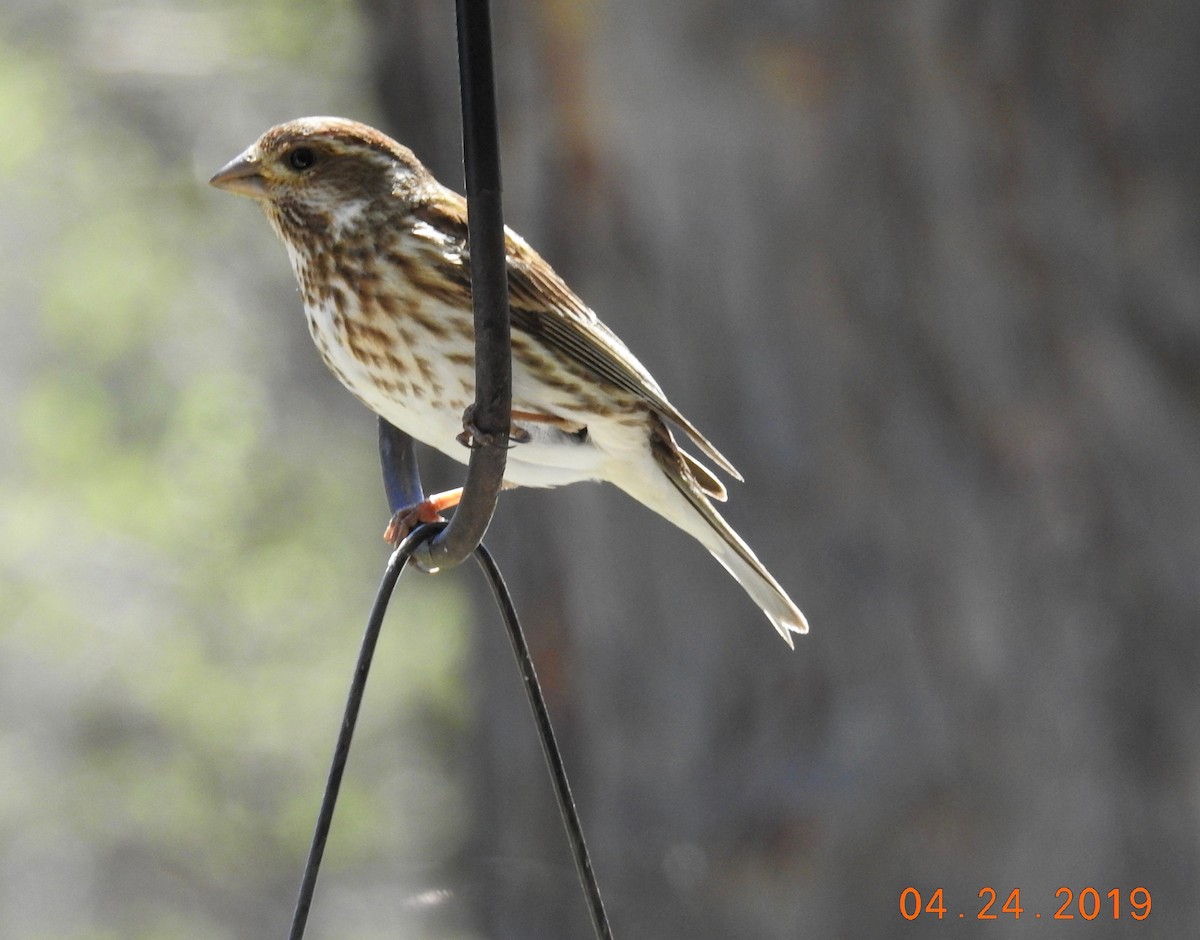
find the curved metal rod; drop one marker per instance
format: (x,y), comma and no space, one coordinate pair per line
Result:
(554,761)
(489,290)
(341,751)
(398,461)
(446,545)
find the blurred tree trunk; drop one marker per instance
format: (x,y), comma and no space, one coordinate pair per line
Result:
(928,273)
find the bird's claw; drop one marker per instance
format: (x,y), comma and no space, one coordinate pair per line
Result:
(406,519)
(472,437)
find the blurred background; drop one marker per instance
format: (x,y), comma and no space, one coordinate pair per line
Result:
(927,271)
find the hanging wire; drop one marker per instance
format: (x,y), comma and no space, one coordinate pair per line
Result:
(554,761)
(537,703)
(341,751)
(443,545)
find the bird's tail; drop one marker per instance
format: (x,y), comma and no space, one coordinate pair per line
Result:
(686,502)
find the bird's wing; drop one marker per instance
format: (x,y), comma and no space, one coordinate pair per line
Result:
(542,305)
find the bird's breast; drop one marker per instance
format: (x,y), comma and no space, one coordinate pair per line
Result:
(380,356)
(405,347)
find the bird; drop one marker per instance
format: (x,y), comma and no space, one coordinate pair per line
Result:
(380,252)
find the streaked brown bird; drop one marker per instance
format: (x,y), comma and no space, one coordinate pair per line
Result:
(379,248)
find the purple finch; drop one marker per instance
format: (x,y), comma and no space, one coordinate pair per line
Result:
(380,250)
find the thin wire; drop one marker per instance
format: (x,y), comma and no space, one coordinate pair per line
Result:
(492,415)
(341,751)
(443,545)
(554,761)
(537,703)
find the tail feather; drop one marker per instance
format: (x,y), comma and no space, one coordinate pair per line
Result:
(694,513)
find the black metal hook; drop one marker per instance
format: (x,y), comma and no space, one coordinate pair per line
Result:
(489,290)
(443,545)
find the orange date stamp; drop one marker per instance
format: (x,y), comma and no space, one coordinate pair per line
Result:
(1086,904)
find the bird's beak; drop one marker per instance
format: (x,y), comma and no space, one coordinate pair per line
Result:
(242,176)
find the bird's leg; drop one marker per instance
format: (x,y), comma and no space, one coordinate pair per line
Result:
(428,510)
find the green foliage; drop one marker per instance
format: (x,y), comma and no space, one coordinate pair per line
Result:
(189,532)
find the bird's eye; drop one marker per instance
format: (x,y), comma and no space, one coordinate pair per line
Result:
(301,158)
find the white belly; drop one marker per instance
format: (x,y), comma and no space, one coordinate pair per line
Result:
(426,396)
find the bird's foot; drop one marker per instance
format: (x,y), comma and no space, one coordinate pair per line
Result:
(428,510)
(472,437)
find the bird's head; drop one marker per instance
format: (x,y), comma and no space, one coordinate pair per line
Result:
(322,171)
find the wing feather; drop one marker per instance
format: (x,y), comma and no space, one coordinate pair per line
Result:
(543,306)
